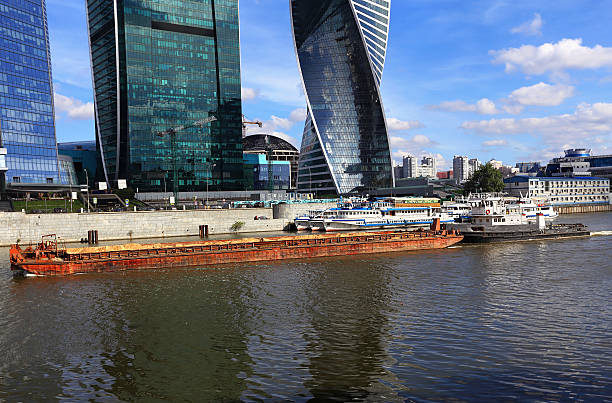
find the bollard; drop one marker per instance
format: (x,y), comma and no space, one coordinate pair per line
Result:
(92,237)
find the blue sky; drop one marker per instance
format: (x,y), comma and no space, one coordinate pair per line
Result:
(512,80)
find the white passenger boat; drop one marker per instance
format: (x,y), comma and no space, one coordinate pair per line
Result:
(302,222)
(525,206)
(531,210)
(345,219)
(457,210)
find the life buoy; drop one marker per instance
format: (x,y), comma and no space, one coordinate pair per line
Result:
(488,212)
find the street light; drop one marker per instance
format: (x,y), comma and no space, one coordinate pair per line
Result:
(87,178)
(208,178)
(309,181)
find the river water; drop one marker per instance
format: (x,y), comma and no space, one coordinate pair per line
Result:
(527,320)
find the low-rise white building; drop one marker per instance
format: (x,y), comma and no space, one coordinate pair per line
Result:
(412,169)
(561,190)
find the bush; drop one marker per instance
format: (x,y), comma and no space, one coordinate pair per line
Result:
(237,226)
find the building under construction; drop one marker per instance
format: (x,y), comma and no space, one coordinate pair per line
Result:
(275,149)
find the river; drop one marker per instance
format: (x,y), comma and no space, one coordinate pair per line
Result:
(527,320)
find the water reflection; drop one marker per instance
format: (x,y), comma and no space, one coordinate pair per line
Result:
(347,344)
(190,342)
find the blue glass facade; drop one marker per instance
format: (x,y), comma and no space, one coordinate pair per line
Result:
(84,157)
(341,48)
(257,177)
(160,64)
(26,93)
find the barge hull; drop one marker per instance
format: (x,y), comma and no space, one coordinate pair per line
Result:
(190,256)
(506,237)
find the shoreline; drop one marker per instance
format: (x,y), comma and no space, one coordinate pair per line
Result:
(142,225)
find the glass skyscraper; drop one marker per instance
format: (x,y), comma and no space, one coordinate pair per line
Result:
(161,64)
(341,48)
(26,93)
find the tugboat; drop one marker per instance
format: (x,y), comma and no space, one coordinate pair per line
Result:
(492,220)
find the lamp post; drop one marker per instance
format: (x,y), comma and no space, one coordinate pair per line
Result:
(309,180)
(87,179)
(208,178)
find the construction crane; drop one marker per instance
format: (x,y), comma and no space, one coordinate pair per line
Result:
(246,121)
(172,133)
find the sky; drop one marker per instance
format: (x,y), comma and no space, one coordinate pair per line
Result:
(512,80)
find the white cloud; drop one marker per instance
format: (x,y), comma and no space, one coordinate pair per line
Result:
(415,145)
(484,107)
(278,123)
(421,139)
(418,140)
(553,57)
(588,122)
(533,27)
(395,124)
(513,109)
(298,115)
(542,94)
(249,94)
(73,108)
(495,143)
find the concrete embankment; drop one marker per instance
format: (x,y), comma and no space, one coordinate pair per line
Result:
(133,225)
(147,224)
(587,208)
(290,211)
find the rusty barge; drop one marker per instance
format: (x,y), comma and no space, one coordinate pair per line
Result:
(50,258)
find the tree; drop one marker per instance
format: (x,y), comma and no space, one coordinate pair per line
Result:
(486,179)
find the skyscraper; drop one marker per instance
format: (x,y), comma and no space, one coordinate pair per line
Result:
(26,94)
(162,64)
(410,167)
(461,168)
(341,48)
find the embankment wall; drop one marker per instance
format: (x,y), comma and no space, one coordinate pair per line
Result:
(290,211)
(132,225)
(583,209)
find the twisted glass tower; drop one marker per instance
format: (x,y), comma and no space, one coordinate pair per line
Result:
(341,47)
(162,64)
